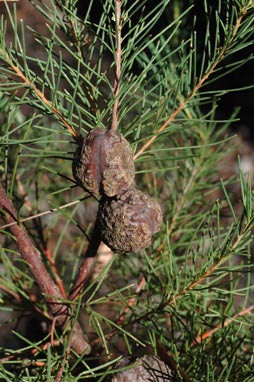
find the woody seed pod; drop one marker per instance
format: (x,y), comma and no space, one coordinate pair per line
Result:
(103,163)
(146,369)
(128,221)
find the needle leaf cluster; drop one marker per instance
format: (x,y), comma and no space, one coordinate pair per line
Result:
(191,291)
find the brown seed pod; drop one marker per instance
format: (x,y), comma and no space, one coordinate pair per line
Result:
(128,221)
(103,163)
(146,369)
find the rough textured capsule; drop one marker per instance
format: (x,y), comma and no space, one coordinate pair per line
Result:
(103,163)
(146,369)
(129,221)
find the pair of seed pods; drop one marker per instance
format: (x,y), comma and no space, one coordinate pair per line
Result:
(103,165)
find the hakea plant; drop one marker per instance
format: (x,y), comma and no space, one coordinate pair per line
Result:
(113,112)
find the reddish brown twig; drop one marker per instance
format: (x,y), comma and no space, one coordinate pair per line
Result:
(27,361)
(38,93)
(14,295)
(197,87)
(89,260)
(88,263)
(131,301)
(171,300)
(48,288)
(118,55)
(227,322)
(46,250)
(58,279)
(40,214)
(60,371)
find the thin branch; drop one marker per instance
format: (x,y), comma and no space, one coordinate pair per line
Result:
(89,257)
(52,210)
(48,288)
(200,83)
(55,272)
(183,292)
(60,371)
(6,290)
(131,301)
(209,333)
(163,305)
(118,55)
(87,264)
(176,297)
(39,94)
(46,251)
(181,201)
(193,284)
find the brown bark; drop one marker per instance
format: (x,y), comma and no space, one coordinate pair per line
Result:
(52,295)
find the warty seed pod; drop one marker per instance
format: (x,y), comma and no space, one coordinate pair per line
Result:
(146,369)
(128,222)
(103,163)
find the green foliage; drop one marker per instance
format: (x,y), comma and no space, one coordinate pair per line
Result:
(191,292)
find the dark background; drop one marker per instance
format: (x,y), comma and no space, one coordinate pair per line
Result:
(242,77)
